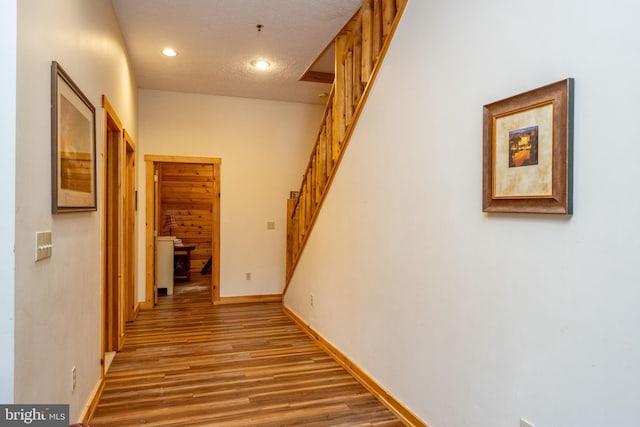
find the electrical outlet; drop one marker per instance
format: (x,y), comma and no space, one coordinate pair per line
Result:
(311,300)
(271,225)
(73,379)
(525,423)
(247,276)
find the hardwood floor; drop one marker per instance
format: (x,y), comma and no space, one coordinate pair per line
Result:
(188,363)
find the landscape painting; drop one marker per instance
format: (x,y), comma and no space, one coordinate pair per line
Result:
(523,147)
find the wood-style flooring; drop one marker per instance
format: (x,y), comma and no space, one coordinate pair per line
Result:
(189,363)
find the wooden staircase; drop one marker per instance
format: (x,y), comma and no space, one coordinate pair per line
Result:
(359,50)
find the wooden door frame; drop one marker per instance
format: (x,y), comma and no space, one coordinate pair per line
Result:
(130,208)
(150,162)
(112,292)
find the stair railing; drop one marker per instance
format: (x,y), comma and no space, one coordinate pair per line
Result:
(359,50)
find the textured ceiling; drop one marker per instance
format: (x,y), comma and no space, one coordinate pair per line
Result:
(217,39)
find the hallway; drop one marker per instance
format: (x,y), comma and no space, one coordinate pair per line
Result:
(188,363)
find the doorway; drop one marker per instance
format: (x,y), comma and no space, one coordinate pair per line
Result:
(118,241)
(186,208)
(129,244)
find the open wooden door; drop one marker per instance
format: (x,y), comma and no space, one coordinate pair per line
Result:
(154,225)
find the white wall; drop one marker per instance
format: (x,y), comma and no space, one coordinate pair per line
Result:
(473,319)
(58,299)
(264,147)
(8,24)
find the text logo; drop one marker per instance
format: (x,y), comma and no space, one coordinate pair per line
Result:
(34,415)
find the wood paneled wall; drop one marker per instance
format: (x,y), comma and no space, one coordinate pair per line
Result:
(186,191)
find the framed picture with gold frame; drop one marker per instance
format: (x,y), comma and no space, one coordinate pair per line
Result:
(528,152)
(73,146)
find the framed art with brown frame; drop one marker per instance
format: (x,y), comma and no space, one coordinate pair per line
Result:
(73,146)
(528,151)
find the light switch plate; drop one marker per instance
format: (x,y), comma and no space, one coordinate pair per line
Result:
(271,225)
(43,245)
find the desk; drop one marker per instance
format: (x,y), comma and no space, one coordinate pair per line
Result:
(182,262)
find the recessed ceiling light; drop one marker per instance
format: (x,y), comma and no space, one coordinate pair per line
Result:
(260,64)
(169,52)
